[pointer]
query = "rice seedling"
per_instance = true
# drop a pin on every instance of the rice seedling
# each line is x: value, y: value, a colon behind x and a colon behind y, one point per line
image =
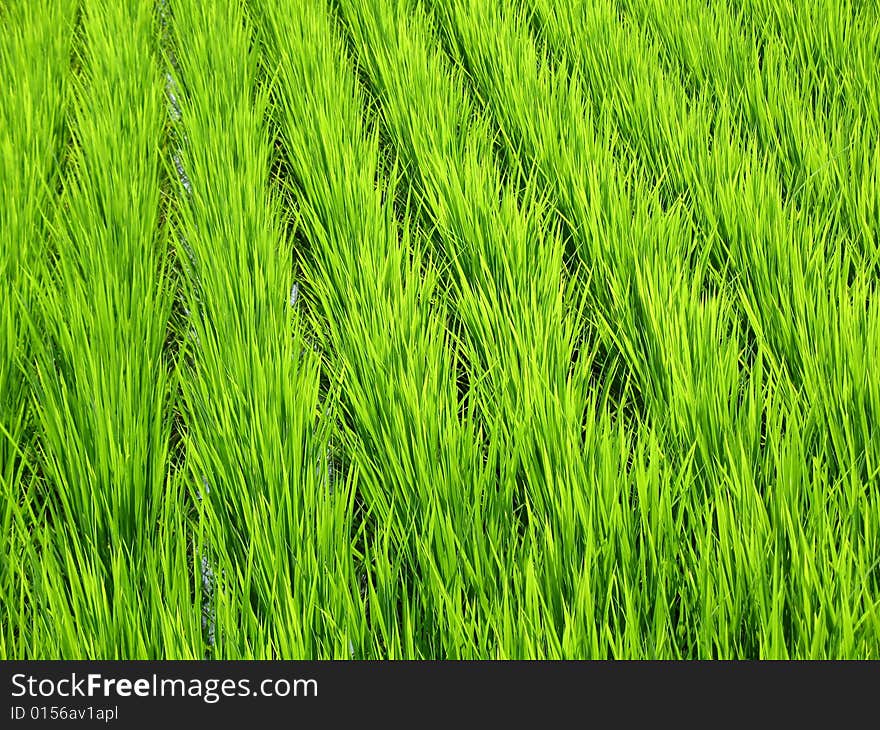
x: 273, y: 531
x: 422, y: 329
x: 373, y: 293
x: 31, y: 145
x: 816, y: 143
x: 518, y: 310
x: 101, y: 387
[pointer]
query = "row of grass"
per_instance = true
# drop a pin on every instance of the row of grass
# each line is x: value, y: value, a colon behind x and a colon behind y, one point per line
x: 32, y: 140
x: 793, y: 290
x: 92, y: 575
x: 372, y: 293
x: 517, y: 312
x: 249, y: 382
x: 645, y: 298
x: 422, y: 329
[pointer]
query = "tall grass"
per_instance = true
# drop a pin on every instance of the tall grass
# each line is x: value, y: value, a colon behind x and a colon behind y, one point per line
x: 815, y: 141
x: 373, y: 293
x: 273, y: 534
x: 100, y: 552
x: 424, y: 329
x: 32, y: 138
x: 518, y: 309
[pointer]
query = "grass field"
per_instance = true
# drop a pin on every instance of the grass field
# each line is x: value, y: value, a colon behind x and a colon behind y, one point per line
x: 440, y: 329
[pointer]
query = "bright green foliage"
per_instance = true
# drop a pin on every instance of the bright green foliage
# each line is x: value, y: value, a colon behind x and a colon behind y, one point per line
x: 93, y: 578
x: 273, y: 539
x: 440, y: 329
x: 31, y: 151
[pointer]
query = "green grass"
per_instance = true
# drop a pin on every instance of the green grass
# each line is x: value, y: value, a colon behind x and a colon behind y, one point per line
x: 424, y: 329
